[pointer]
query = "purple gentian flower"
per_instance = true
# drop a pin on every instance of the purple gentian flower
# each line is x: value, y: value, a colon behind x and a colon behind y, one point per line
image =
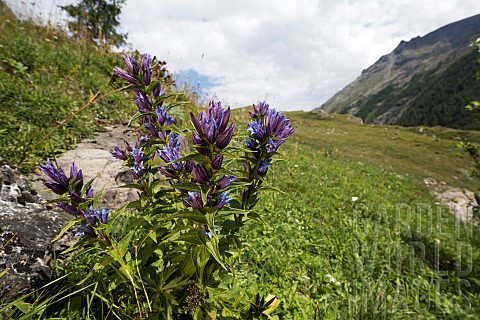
x: 56, y: 175
x: 125, y: 75
x: 272, y: 145
x: 211, y: 126
x: 102, y: 216
x: 157, y: 90
x: 56, y: 187
x: 147, y: 72
x: 225, y: 181
x: 68, y: 208
x: 256, y: 129
x: 222, y: 200
x: 162, y: 117
x: 132, y: 65
x: 278, y: 125
x: 194, y: 199
x: 84, y: 231
x: 201, y: 174
x: 259, y: 110
x: 142, y: 102
x: 263, y: 166
x: 217, y: 161
x: 119, y: 154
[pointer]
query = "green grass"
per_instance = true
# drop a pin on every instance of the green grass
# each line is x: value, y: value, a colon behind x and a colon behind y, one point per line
x: 45, y: 77
x: 387, y: 251
x: 417, y: 153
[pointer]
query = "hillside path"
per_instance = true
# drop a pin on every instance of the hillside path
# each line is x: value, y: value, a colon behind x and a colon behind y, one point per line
x: 94, y: 158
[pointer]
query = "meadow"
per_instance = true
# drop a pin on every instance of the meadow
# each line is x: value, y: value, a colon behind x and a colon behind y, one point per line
x: 356, y: 234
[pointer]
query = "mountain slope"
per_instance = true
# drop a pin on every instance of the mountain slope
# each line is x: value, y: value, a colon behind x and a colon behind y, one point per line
x: 425, y: 81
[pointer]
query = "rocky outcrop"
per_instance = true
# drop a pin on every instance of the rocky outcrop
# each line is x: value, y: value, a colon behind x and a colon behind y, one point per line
x: 27, y: 228
x: 377, y: 96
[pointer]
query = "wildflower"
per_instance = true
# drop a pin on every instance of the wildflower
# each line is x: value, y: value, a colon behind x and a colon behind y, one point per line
x: 201, y: 174
x: 211, y: 126
x: 263, y: 166
x: 272, y: 146
x: 61, y: 184
x: 84, y: 231
x: 147, y: 72
x: 131, y: 64
x: 222, y: 200
x: 256, y: 129
x: 138, y: 162
x: 225, y: 181
x: 157, y: 90
x: 194, y: 199
x: 142, y: 101
x: 119, y: 154
x: 68, y: 208
x: 217, y: 161
x: 162, y: 117
x: 354, y: 199
x: 259, y: 110
x: 125, y: 75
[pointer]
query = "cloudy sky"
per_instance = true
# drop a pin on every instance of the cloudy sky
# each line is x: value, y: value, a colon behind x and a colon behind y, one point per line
x: 295, y: 54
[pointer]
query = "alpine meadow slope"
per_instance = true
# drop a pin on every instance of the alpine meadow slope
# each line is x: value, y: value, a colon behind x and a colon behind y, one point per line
x: 426, y: 81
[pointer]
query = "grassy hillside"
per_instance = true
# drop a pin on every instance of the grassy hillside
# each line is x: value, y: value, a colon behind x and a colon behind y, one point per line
x: 45, y: 77
x: 356, y: 235
x: 416, y: 152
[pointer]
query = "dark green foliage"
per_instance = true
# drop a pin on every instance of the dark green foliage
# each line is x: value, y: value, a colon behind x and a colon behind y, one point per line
x: 96, y: 20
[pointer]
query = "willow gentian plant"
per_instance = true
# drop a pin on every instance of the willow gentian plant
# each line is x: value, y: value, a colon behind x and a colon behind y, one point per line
x: 176, y: 252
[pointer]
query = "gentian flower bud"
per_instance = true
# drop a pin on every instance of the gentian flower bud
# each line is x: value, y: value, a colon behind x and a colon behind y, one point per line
x: 195, y: 200
x: 225, y: 137
x: 56, y: 187
x: 68, y: 208
x: 119, y: 154
x: 157, y: 90
x: 125, y: 75
x: 217, y: 161
x: 225, y: 181
x: 201, y: 174
x: 74, y: 196
x: 147, y: 72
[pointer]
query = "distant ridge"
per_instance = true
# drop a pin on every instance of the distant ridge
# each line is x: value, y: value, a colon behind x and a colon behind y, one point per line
x: 425, y: 81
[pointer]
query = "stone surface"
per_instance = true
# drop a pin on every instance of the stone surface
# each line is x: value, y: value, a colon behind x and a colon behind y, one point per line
x: 94, y: 158
x: 26, y: 230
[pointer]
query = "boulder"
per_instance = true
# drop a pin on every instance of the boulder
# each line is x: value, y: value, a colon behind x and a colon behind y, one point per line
x: 27, y: 228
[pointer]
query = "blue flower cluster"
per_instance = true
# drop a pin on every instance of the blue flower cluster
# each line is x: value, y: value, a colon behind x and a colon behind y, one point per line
x: 267, y: 130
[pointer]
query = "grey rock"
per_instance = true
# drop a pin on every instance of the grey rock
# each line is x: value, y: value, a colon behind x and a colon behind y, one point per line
x: 26, y: 230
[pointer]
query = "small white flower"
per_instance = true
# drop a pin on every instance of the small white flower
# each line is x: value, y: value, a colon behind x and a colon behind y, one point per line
x: 296, y: 166
x: 354, y: 199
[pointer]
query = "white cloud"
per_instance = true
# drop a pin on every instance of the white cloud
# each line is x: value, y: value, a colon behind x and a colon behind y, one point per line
x: 294, y: 53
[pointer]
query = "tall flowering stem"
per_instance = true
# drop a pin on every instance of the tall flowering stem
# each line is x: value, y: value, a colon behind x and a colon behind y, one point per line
x: 267, y: 131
